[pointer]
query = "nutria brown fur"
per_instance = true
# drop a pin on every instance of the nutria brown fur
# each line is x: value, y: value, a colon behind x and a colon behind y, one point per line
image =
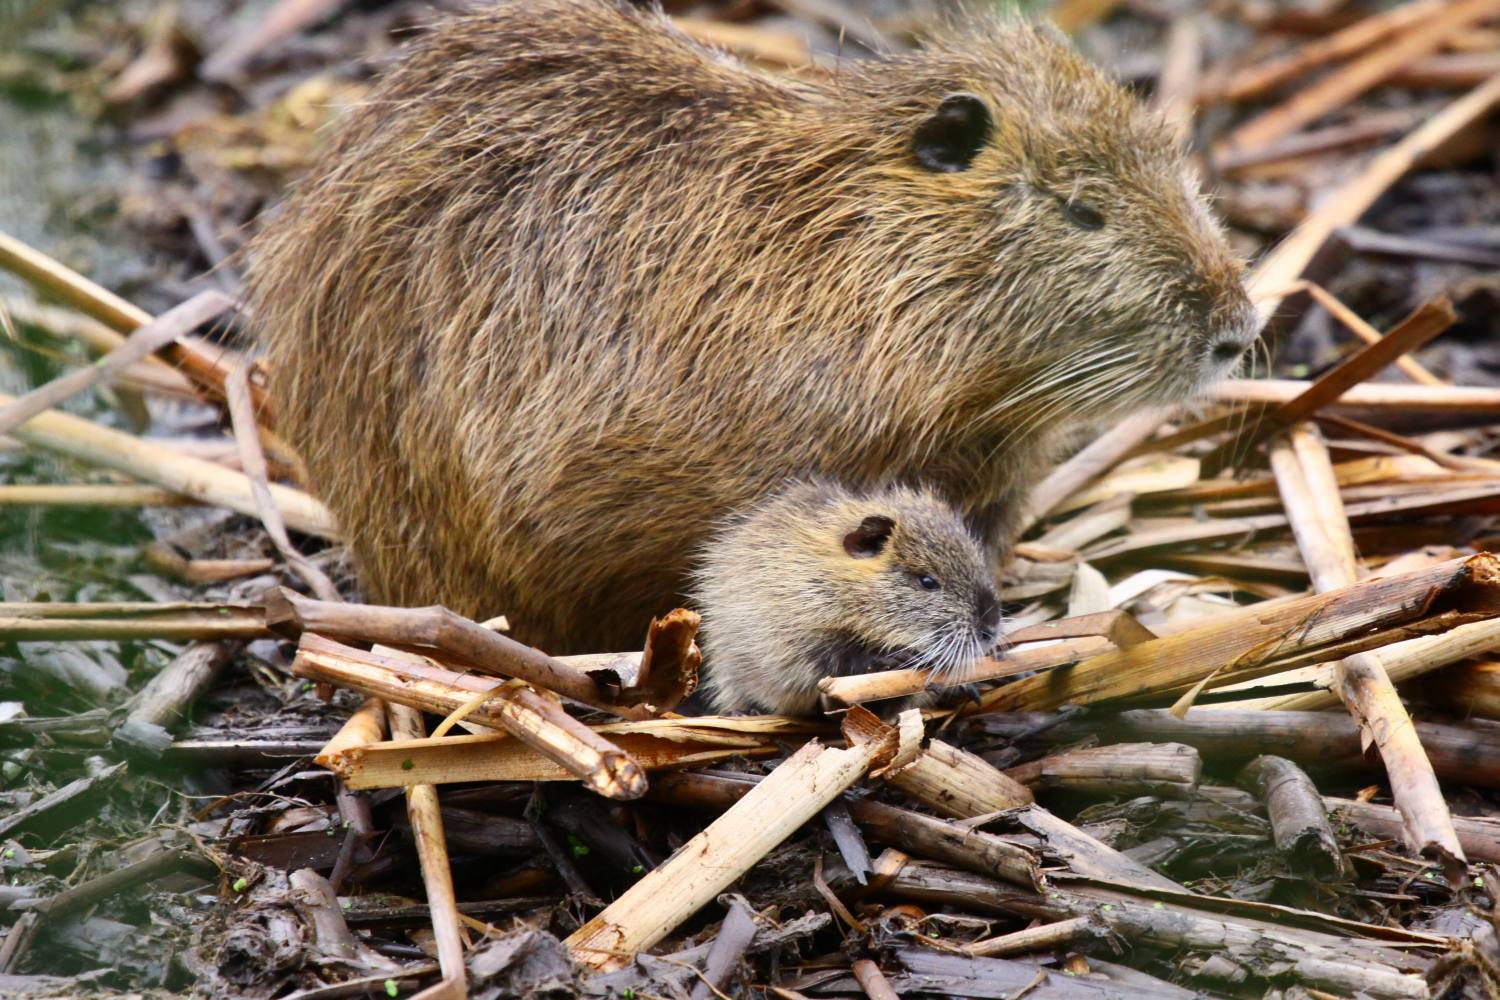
x: 819, y: 582
x: 568, y: 288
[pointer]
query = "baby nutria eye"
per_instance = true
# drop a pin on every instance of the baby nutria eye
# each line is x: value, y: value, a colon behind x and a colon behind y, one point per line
x: 927, y: 582
x: 1082, y: 215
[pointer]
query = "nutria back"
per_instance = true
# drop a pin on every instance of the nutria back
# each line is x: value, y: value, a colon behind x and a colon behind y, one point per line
x: 817, y: 581
x: 569, y: 287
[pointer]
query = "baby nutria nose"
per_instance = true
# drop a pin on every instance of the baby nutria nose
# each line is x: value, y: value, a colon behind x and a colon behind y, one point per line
x: 987, y: 618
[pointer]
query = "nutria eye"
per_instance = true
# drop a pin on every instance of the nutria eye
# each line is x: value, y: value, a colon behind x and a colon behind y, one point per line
x: 928, y: 583
x: 1084, y: 216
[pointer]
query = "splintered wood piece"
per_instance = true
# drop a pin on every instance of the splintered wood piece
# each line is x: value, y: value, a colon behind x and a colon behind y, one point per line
x: 1299, y: 820
x: 707, y: 864
x: 1285, y: 264
x: 1252, y: 641
x: 365, y: 728
x: 457, y: 639
x: 1452, y: 401
x: 141, y: 459
x: 1419, y: 38
x: 539, y: 722
x: 425, y: 814
x: 1312, y: 502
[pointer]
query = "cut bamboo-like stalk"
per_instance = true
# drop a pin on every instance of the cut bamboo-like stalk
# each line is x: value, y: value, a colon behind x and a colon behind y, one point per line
x: 1312, y: 501
x: 208, y: 482
x: 1251, y: 642
x: 707, y: 864
x: 959, y: 783
x: 538, y: 721
x: 90, y: 495
x: 426, y: 816
x: 365, y: 728
x: 1047, y: 937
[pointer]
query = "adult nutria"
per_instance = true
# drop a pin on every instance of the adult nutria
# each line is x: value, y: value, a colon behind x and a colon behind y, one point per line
x: 569, y: 287
x: 820, y: 582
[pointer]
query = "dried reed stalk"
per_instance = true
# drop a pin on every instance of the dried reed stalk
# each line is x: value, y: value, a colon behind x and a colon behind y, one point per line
x: 425, y: 814
x: 538, y: 721
x: 1305, y: 474
x: 1420, y: 37
x: 207, y: 482
x: 1285, y: 264
x: 457, y: 639
x: 707, y: 864
x: 21, y: 622
x: 1253, y: 641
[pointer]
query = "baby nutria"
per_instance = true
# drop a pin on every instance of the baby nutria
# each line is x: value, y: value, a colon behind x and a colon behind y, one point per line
x: 569, y: 287
x: 819, y: 582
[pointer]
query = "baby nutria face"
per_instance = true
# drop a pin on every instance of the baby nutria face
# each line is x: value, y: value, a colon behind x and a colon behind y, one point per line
x: 912, y: 589
x: 1106, y: 267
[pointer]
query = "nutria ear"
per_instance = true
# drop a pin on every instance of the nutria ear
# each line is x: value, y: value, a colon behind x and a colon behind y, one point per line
x: 870, y: 537
x: 948, y: 139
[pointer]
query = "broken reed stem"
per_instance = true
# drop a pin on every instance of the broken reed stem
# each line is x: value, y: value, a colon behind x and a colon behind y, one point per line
x: 1047, y: 937
x: 207, y: 482
x: 1310, y: 494
x: 1299, y: 820
x: 452, y: 636
x: 425, y: 813
x: 707, y: 864
x: 535, y: 720
x: 1356, y: 325
x: 1286, y: 262
x: 1458, y: 402
x: 1252, y: 641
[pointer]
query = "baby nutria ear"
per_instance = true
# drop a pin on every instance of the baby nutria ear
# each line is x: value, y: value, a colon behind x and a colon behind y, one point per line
x: 866, y: 541
x: 948, y: 139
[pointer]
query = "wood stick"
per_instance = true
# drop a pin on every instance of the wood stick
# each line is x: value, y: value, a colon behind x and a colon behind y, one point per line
x: 425, y: 814
x: 208, y: 482
x: 1424, y: 36
x: 1047, y: 937
x: 520, y: 711
x: 452, y: 636
x: 708, y: 863
x: 1285, y: 264
x: 1356, y: 325
x: 1450, y: 400
x: 1366, y: 130
x: 872, y: 980
x: 165, y: 699
x: 1169, y: 769
x: 1243, y: 644
x: 1327, y: 547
